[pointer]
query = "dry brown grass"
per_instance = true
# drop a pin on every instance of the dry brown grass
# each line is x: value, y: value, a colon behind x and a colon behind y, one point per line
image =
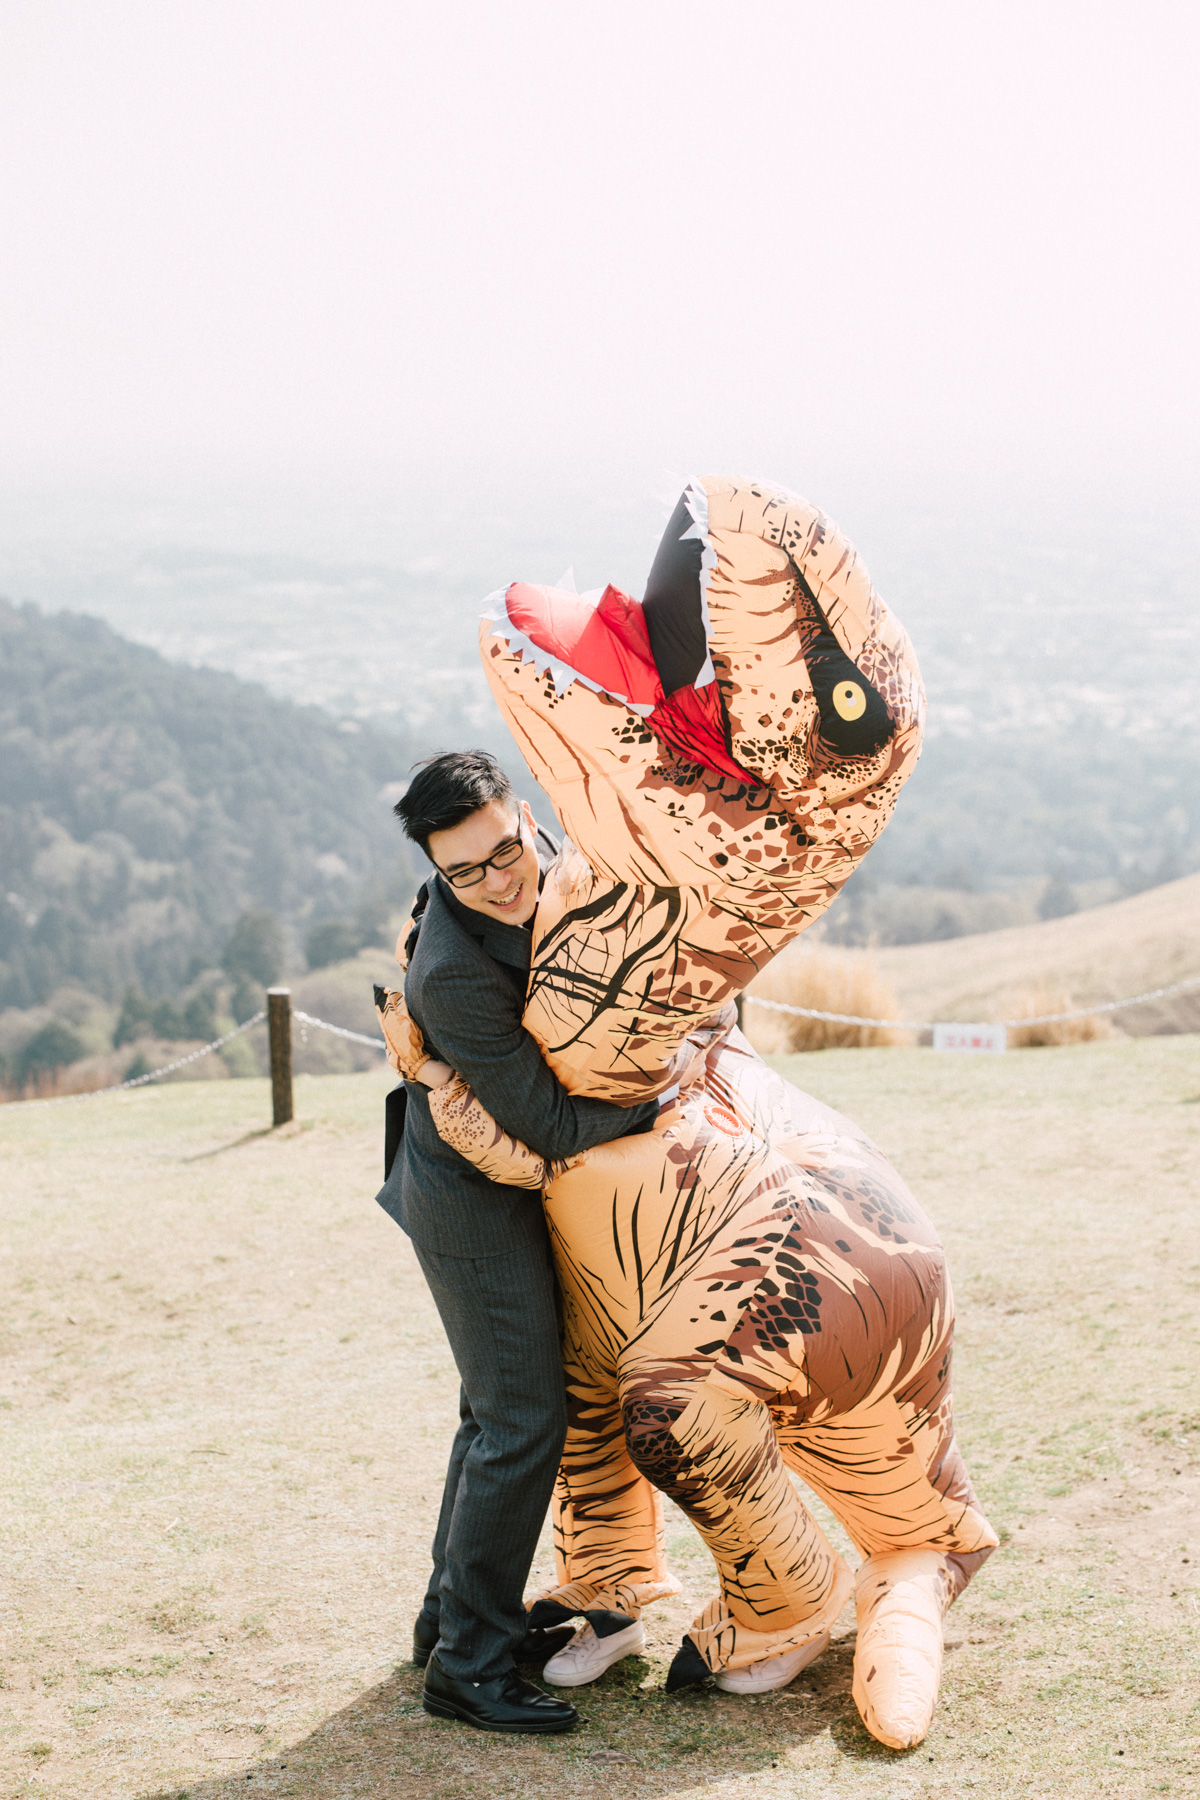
x: 1035, y: 1003
x: 828, y: 980
x: 226, y: 1402
x: 1108, y: 953
x: 108, y: 1069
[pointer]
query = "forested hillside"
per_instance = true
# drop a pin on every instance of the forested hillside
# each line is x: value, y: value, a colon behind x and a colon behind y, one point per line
x: 145, y: 806
x: 172, y: 837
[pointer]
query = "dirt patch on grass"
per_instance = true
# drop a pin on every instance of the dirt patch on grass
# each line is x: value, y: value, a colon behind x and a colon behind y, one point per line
x: 225, y: 1406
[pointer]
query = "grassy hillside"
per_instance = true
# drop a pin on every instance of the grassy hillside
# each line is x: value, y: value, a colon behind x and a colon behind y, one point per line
x: 226, y: 1404
x: 1108, y: 953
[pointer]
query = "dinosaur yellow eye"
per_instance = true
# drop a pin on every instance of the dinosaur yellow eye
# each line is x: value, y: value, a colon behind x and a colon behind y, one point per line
x: 849, y: 701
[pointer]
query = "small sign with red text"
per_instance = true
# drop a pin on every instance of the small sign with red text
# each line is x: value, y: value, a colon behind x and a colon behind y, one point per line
x: 986, y: 1038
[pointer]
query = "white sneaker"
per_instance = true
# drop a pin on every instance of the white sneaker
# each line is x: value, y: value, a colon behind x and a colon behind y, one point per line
x: 587, y: 1656
x: 775, y: 1672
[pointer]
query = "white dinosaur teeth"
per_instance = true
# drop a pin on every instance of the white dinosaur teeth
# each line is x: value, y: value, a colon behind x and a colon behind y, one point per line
x: 695, y: 498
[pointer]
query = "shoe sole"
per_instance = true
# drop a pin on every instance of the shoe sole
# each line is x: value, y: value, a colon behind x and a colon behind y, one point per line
x: 442, y: 1709
x: 726, y: 1681
x: 421, y: 1658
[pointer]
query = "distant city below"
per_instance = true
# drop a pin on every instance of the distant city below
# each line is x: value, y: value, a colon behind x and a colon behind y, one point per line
x: 1020, y: 623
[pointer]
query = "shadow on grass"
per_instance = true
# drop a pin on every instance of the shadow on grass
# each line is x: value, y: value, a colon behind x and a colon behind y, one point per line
x: 292, y: 1128
x: 644, y: 1741
x: 247, y: 1137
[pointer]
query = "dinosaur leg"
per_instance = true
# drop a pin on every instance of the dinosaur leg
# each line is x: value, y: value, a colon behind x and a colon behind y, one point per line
x: 608, y: 1519
x: 890, y: 1470
x: 713, y: 1450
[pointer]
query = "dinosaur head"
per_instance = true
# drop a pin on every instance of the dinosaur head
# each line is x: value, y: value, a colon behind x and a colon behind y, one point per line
x: 721, y: 753
x: 759, y: 674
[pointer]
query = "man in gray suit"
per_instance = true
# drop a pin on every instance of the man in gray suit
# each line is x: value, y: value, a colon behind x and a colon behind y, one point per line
x: 483, y: 1247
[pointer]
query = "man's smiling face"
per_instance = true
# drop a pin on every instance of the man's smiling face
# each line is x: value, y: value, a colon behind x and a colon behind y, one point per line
x: 509, y: 893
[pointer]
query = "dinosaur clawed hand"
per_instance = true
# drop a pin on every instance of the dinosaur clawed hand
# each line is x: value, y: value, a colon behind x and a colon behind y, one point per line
x: 688, y: 1669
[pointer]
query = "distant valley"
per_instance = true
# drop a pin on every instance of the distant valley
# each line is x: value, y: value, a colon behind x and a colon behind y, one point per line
x: 148, y: 799
x: 1059, y: 648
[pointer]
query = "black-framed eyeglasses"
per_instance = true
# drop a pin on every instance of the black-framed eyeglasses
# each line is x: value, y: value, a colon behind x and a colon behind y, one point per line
x: 503, y: 858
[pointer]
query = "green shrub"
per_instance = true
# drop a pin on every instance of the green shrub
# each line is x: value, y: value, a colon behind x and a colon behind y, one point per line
x: 140, y: 1017
x: 168, y: 1021
x: 246, y: 1000
x: 134, y: 1019
x: 54, y: 1046
x: 200, y: 1017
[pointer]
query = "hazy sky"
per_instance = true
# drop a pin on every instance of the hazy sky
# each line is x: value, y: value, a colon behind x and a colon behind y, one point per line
x: 370, y: 238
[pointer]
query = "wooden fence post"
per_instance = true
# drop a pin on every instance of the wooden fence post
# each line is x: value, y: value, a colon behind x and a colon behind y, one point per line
x: 279, y: 1026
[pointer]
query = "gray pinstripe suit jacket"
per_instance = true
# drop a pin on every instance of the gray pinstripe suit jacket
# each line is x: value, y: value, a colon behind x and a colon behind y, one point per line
x: 465, y: 988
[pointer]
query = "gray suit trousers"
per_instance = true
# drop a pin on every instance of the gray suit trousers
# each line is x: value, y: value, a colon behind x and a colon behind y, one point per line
x: 500, y: 1314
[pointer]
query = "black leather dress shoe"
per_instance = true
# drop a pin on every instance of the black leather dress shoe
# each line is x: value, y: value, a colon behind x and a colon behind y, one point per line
x: 506, y: 1704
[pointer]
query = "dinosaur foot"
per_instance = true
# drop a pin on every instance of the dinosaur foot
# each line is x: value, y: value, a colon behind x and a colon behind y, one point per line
x: 900, y: 1597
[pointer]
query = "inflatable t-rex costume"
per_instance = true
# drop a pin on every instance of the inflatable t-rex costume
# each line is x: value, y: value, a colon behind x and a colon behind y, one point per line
x: 749, y: 1288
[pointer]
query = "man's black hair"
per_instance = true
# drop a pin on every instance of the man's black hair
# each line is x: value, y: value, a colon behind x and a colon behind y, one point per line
x: 448, y: 789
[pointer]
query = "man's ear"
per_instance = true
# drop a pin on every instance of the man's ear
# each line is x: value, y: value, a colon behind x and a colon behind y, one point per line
x: 528, y: 816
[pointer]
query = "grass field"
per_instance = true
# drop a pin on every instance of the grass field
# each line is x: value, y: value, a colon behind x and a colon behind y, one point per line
x: 225, y: 1405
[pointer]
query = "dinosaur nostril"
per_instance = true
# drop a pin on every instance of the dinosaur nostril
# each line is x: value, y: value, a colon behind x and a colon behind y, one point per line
x: 849, y: 701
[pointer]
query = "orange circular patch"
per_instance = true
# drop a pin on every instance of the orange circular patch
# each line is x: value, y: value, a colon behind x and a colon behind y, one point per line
x: 721, y: 1119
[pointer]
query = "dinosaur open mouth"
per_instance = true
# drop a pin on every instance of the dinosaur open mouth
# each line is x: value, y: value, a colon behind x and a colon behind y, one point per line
x: 653, y: 655
x: 603, y: 643
x: 606, y: 644
x: 650, y: 655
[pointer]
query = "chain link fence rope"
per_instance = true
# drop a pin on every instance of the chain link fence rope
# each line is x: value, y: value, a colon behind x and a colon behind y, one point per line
x: 355, y: 1037
x: 1079, y: 1012
x: 181, y: 1062
x: 136, y: 1081
x: 780, y: 1006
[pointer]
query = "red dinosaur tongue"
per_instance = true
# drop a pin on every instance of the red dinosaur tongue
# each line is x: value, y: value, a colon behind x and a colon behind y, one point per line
x: 607, y: 643
x: 691, y: 719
